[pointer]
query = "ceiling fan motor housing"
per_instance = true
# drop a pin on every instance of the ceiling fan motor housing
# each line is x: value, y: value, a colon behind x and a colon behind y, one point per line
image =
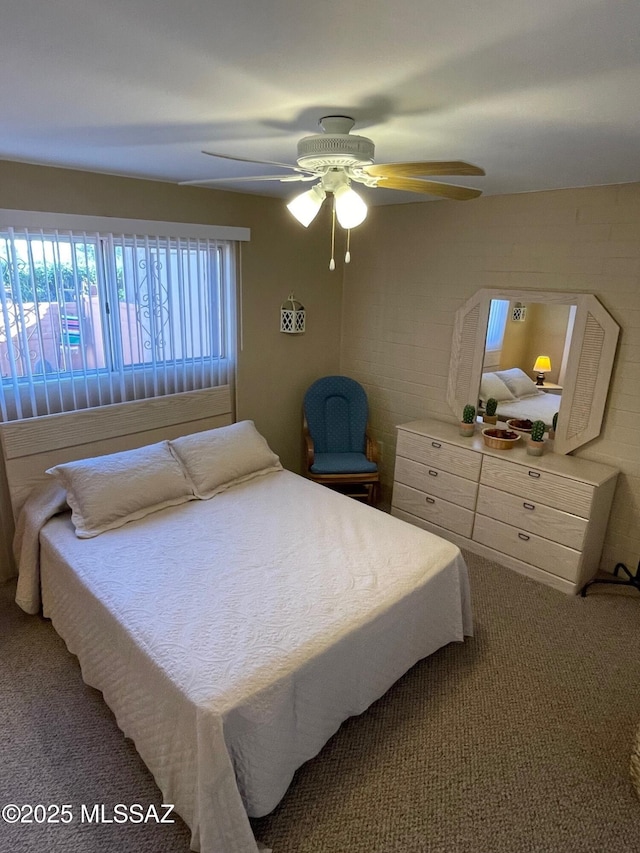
x: 334, y: 150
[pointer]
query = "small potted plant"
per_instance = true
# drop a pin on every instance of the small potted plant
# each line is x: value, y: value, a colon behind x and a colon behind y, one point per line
x: 490, y: 416
x: 554, y: 426
x: 535, y: 444
x: 468, y: 422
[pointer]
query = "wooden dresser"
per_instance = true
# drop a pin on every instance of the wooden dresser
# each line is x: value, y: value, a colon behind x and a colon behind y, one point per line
x: 544, y: 516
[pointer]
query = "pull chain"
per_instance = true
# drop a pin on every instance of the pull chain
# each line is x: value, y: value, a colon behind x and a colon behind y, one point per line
x: 347, y: 257
x: 332, y: 263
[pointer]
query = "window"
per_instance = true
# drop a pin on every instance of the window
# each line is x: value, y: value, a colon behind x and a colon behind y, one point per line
x: 497, y: 323
x: 95, y: 317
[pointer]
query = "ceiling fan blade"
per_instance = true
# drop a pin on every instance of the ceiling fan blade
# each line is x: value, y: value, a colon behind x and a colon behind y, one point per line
x: 263, y: 162
x: 248, y: 179
x: 435, y: 167
x: 430, y: 188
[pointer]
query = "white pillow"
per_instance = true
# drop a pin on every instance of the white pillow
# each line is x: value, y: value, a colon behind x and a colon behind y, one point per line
x: 217, y: 459
x: 492, y: 386
x: 106, y: 492
x: 518, y: 382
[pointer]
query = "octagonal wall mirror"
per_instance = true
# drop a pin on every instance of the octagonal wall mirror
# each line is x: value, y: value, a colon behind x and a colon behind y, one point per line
x: 502, y: 333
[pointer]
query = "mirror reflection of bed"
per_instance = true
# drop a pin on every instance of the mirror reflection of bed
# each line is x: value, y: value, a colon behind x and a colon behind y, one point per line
x: 525, y: 357
x: 528, y: 403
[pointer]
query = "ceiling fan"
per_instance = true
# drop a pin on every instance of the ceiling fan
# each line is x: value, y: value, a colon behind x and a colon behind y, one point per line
x: 335, y: 158
x: 336, y: 151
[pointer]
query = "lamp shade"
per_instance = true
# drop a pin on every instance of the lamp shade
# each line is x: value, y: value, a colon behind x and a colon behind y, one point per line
x: 305, y: 206
x: 543, y: 364
x: 350, y: 208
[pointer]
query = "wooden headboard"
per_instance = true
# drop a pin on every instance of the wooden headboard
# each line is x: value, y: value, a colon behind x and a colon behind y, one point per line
x: 32, y: 445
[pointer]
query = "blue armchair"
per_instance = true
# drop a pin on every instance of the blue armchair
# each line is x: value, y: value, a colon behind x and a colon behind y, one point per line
x: 339, y: 450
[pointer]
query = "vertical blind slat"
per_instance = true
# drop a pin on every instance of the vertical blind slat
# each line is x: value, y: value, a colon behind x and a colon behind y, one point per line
x: 183, y: 317
x: 20, y: 330
x: 112, y: 340
x: 6, y: 315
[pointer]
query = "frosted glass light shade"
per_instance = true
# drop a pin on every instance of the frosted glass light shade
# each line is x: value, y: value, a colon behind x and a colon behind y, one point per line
x: 305, y: 207
x: 350, y: 208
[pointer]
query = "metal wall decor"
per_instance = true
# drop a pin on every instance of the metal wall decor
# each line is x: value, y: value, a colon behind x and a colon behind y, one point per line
x: 152, y: 304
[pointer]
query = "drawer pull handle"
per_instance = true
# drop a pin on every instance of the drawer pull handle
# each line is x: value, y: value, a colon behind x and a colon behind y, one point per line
x: 528, y: 506
x: 430, y: 500
x: 523, y: 536
x: 436, y: 444
x: 534, y: 474
x: 433, y: 473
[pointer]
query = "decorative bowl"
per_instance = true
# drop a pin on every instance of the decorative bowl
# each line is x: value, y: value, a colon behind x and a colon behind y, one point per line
x: 520, y: 424
x: 500, y: 439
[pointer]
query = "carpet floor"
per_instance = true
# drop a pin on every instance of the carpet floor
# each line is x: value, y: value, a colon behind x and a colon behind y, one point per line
x: 516, y: 741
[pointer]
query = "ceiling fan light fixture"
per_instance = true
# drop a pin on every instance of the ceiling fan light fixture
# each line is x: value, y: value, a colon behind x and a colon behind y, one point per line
x: 334, y: 159
x: 351, y: 209
x: 305, y: 207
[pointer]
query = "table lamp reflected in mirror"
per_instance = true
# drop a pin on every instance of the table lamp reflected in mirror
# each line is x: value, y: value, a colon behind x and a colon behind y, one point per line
x: 542, y: 366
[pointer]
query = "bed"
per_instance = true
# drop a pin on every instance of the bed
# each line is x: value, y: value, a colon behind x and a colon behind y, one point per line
x: 232, y: 633
x: 518, y: 396
x: 539, y: 406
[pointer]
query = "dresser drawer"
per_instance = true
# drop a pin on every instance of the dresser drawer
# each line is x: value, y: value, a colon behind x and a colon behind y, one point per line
x: 436, y: 482
x: 550, y: 556
x: 433, y: 509
x: 533, y: 517
x: 538, y: 486
x: 439, y: 454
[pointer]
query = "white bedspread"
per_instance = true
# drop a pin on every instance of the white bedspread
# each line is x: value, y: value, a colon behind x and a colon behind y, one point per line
x: 231, y: 637
x: 537, y: 407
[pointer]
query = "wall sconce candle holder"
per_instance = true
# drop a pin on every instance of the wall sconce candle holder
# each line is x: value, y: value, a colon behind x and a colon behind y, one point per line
x: 518, y: 312
x: 292, y: 317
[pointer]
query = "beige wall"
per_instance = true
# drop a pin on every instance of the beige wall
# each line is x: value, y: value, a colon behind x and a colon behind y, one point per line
x: 274, y: 369
x: 543, y: 332
x: 418, y: 263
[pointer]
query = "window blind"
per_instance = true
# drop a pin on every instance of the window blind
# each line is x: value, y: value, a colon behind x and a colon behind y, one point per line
x: 89, y: 318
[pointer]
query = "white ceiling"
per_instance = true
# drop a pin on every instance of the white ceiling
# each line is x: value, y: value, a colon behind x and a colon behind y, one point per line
x: 540, y: 94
